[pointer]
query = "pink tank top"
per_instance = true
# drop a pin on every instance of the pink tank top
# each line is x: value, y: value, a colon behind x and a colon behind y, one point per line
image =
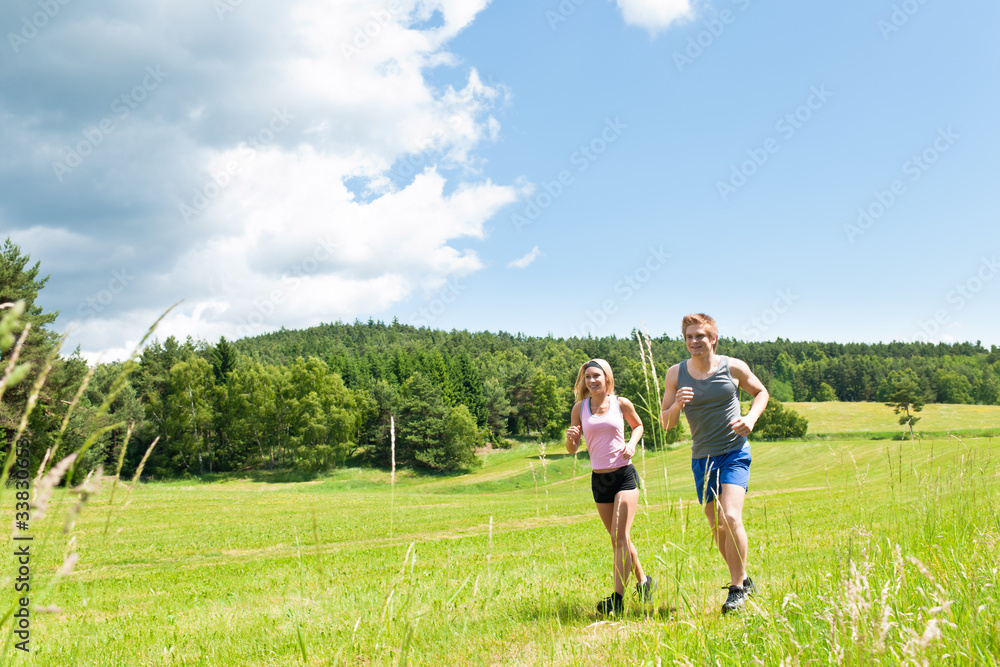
x: 605, y: 436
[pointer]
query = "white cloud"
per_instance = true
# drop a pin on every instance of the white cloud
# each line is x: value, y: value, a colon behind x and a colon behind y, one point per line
x: 306, y: 252
x: 655, y: 15
x: 525, y: 262
x: 200, y: 194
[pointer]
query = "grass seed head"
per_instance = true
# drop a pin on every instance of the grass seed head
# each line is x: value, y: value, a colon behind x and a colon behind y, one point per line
x: 45, y: 486
x: 89, y: 486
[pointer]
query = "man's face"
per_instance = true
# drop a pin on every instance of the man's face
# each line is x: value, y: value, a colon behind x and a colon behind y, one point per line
x: 698, y: 340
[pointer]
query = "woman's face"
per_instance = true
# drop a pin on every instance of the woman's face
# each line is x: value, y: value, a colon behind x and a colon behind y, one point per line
x: 594, y: 378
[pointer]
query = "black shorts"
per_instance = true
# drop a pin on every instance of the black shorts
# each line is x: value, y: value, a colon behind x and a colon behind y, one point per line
x: 606, y: 485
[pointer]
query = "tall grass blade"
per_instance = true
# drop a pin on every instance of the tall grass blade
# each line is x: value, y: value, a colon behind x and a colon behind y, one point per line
x: 14, y: 373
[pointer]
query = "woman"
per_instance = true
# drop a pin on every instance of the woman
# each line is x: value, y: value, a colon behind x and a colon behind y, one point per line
x: 600, y: 416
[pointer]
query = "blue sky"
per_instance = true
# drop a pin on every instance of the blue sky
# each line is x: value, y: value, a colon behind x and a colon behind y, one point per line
x: 802, y: 170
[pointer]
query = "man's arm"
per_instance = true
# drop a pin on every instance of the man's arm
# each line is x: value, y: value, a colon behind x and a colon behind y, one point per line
x: 674, y: 400
x: 752, y: 385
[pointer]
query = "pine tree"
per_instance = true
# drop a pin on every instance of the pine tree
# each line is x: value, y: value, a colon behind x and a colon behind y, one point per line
x: 224, y: 359
x: 378, y: 402
x: 20, y: 281
x: 422, y: 420
x: 468, y: 386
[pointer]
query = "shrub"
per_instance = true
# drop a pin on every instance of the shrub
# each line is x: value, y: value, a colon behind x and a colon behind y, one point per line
x: 779, y: 423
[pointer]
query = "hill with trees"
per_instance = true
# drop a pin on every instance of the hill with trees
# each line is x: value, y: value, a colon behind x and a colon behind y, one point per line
x: 318, y: 397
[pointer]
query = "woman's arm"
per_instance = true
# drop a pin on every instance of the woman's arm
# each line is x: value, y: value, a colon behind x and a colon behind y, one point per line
x: 632, y: 417
x: 574, y: 430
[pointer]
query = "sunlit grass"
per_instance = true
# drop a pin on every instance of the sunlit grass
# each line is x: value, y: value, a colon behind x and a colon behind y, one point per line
x: 863, y: 552
x: 837, y: 417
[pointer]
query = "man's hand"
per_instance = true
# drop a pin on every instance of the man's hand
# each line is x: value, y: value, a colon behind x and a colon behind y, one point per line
x: 742, y: 426
x: 683, y: 396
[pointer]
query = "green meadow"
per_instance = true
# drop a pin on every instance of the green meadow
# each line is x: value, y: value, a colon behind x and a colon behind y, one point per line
x: 835, y: 417
x: 863, y: 552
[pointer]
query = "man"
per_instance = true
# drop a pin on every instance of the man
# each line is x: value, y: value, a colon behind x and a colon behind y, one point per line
x: 706, y: 388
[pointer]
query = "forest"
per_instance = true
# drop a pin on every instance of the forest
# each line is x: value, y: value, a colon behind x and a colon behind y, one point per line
x: 334, y: 394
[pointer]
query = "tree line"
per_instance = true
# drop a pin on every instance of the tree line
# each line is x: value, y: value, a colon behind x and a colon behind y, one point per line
x: 319, y: 397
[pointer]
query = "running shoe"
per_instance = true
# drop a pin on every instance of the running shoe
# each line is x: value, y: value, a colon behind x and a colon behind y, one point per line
x: 749, y: 587
x: 646, y: 588
x: 611, y: 605
x: 737, y: 596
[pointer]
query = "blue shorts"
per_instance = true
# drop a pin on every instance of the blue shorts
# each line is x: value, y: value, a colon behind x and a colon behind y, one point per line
x: 730, y: 468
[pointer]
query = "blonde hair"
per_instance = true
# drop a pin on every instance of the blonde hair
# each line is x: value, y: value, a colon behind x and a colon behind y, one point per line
x: 700, y: 319
x: 580, y: 388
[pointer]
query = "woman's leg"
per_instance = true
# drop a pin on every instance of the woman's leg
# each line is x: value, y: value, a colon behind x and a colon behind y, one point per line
x: 617, y: 518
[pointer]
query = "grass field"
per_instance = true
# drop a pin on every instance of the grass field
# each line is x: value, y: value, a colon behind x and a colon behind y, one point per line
x: 835, y: 417
x: 864, y: 552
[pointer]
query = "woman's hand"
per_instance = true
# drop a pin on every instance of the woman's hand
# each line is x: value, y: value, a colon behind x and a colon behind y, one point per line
x: 629, y: 449
x: 573, y: 436
x: 632, y: 417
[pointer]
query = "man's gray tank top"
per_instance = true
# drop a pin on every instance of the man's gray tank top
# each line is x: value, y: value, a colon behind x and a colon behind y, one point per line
x: 716, y: 403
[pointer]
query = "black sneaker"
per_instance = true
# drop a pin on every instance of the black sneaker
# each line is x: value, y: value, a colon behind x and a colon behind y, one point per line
x: 749, y: 587
x: 646, y: 588
x: 611, y: 605
x: 737, y: 596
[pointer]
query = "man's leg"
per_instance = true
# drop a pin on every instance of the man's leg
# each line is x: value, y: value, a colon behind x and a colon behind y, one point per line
x: 718, y: 536
x: 732, y: 534
x: 711, y: 490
